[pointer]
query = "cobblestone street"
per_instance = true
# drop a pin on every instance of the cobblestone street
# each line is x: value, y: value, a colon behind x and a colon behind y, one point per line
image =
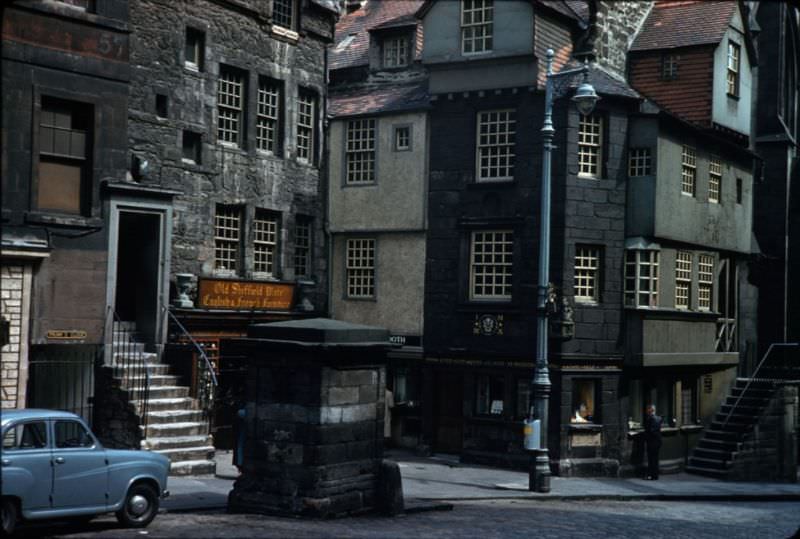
x: 500, y: 518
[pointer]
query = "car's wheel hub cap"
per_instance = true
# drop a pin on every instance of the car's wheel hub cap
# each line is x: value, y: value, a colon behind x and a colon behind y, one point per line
x: 138, y: 505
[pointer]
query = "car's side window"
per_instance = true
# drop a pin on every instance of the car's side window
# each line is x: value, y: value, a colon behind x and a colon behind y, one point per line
x: 31, y: 435
x: 72, y: 434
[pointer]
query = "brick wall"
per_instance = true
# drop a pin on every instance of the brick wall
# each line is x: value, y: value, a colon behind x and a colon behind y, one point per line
x: 14, y: 359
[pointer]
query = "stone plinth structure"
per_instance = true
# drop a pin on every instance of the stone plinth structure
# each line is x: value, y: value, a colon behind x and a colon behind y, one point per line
x: 314, y: 419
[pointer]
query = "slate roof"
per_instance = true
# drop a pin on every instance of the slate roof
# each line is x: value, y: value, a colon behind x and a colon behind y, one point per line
x: 379, y: 99
x: 374, y: 15
x: 574, y: 9
x: 604, y: 82
x: 330, y: 5
x: 684, y: 23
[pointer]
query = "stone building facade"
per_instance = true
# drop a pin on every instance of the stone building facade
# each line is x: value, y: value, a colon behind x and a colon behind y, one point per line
x: 14, y: 279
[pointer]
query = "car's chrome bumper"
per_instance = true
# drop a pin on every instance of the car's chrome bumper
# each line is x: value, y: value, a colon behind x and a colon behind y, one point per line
x: 165, y: 493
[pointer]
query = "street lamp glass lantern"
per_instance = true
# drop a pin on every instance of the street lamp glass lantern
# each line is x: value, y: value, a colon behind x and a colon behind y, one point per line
x: 585, y: 98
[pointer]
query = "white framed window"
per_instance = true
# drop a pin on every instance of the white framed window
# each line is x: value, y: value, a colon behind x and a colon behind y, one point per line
x: 402, y: 138
x: 639, y: 162
x: 283, y: 13
x: 705, y: 281
x: 230, y: 104
x: 395, y: 52
x: 192, y: 147
x: 302, y: 246
x: 497, y: 130
x: 714, y: 179
x: 360, y: 151
x: 688, y: 170
x: 227, y: 237
x: 194, y: 50
x: 590, y: 145
x: 360, y: 268
x: 734, y: 54
x: 268, y: 115
x: 265, y: 243
x: 306, y: 105
x: 491, y: 257
x: 669, y: 66
x: 587, y: 273
x: 683, y: 279
x: 641, y: 278
x: 477, y: 18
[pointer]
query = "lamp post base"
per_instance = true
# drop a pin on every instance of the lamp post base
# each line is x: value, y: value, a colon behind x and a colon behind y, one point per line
x: 539, y: 475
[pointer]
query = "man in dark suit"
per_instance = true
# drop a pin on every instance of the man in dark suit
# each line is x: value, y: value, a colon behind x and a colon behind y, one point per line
x: 652, y: 438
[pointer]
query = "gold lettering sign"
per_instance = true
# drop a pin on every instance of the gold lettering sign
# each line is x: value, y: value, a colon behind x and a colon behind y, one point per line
x: 245, y: 295
x: 66, y: 334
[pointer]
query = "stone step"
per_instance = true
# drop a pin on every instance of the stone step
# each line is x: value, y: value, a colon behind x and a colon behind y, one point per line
x: 707, y: 472
x: 157, y: 417
x: 752, y: 392
x: 193, y: 467
x: 709, y: 463
x: 713, y: 454
x: 178, y: 454
x: 167, y: 392
x: 740, y: 409
x: 742, y: 382
x: 714, y: 434
x: 156, y: 380
x: 755, y: 402
x: 126, y: 357
x: 730, y: 426
x: 166, y: 430
x: 169, y: 404
x: 125, y: 324
x: 122, y: 344
x: 718, y: 445
x: 175, y: 442
x: 152, y: 368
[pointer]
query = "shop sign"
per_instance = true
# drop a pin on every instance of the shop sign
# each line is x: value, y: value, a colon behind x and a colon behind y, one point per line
x: 66, y: 334
x: 245, y: 295
x: 406, y: 340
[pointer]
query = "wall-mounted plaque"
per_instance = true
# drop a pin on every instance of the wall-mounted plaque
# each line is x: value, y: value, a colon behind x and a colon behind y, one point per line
x: 488, y: 324
x: 245, y: 295
x: 66, y: 334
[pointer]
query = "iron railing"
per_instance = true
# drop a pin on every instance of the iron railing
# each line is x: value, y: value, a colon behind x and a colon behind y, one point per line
x: 755, y: 374
x: 206, y: 382
x: 129, y: 362
x: 726, y: 335
x: 61, y: 377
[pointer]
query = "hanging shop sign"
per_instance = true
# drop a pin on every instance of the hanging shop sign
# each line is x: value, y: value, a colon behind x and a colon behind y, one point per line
x: 245, y: 295
x: 66, y: 334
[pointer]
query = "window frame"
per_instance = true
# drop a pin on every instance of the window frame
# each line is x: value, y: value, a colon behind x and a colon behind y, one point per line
x: 197, y: 63
x: 684, y: 260
x: 483, y: 399
x: 306, y: 125
x: 669, y: 66
x: 23, y: 423
x: 507, y: 273
x: 266, y: 235
x: 196, y: 140
x: 689, y: 170
x: 640, y: 162
x: 733, y: 71
x: 360, y: 276
x: 227, y: 244
x: 399, y: 54
x: 78, y: 424
x: 396, y: 138
x: 488, y: 145
x: 303, y: 247
x: 596, y: 407
x: 714, y: 179
x: 705, y: 282
x: 293, y: 15
x: 653, y: 262
x: 486, y: 28
x: 360, y: 150
x: 269, y: 115
x: 590, y: 277
x: 235, y: 111
x: 590, y: 145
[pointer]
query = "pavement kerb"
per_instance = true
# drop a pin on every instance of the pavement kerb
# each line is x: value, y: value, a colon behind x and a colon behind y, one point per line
x: 629, y: 497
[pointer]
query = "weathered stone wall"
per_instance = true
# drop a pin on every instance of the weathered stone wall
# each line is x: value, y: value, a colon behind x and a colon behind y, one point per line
x: 769, y: 453
x: 240, y: 37
x: 617, y: 26
x: 14, y: 361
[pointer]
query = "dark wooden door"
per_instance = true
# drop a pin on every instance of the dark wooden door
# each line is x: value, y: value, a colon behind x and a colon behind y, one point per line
x: 449, y: 417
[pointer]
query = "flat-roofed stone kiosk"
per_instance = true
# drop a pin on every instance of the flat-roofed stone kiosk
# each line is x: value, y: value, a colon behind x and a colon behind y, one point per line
x: 314, y: 418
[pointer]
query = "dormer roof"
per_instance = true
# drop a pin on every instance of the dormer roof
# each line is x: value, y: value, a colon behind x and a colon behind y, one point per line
x: 684, y: 23
x: 575, y: 10
x: 351, y: 41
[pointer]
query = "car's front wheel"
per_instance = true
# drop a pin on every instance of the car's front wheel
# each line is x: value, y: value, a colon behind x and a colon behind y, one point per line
x: 140, y: 507
x: 9, y: 516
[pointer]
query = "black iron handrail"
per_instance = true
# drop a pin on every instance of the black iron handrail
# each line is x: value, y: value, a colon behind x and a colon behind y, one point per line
x: 129, y: 362
x: 753, y: 376
x: 199, y: 348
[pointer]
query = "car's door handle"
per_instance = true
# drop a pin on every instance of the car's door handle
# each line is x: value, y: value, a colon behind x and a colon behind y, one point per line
x: 6, y: 462
x: 59, y: 460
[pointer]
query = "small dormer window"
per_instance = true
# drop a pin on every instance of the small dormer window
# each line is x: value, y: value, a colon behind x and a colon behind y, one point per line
x: 734, y: 54
x: 395, y: 52
x: 477, y: 17
x: 669, y: 66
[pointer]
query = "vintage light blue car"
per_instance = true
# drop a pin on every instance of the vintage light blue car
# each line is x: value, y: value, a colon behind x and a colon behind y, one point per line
x: 54, y: 467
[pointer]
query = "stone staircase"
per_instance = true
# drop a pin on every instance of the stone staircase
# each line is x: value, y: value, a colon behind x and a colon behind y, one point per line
x: 716, y: 452
x: 175, y: 426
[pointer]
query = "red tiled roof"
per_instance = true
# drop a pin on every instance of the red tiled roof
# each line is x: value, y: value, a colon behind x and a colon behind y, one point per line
x: 375, y: 100
x: 376, y: 13
x: 684, y: 23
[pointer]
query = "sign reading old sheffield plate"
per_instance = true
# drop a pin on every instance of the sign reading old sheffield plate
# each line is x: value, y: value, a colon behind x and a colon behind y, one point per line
x: 245, y: 295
